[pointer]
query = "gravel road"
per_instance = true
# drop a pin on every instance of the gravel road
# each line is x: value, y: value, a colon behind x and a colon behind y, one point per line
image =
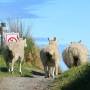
x: 36, y: 82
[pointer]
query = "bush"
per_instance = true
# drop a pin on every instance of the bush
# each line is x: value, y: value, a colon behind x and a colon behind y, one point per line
x: 32, y: 53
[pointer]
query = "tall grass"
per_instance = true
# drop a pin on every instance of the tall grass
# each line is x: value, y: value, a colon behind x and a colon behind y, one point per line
x: 32, y: 53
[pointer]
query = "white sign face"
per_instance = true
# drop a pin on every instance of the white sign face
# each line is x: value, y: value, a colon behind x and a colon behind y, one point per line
x: 11, y: 37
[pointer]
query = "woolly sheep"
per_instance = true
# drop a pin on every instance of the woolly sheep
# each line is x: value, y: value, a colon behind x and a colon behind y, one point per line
x: 75, y: 54
x: 50, y: 58
x: 14, y: 51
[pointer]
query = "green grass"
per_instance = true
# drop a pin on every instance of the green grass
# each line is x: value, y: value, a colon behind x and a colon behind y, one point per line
x: 77, y: 78
x: 26, y: 69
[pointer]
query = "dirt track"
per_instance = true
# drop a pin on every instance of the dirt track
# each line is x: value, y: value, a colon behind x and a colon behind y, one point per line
x: 36, y: 82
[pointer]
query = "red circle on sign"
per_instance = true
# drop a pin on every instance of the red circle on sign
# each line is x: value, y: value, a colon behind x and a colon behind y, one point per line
x: 11, y: 39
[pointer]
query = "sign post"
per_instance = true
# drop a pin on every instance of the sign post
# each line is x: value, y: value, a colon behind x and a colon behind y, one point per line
x: 1, y: 32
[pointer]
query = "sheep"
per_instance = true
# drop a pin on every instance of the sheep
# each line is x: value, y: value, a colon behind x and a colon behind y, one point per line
x: 50, y: 58
x: 75, y: 54
x: 14, y: 51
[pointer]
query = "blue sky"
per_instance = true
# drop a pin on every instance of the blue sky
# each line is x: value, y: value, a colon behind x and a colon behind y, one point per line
x: 68, y: 20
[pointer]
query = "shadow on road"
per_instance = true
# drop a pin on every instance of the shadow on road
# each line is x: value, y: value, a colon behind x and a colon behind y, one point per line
x: 38, y: 73
x: 3, y: 69
x: 30, y: 74
x: 34, y: 74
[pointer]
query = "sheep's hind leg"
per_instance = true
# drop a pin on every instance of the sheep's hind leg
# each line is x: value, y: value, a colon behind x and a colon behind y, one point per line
x: 46, y: 71
x: 20, y: 68
x: 8, y: 66
x: 12, y: 66
x: 52, y: 72
x: 56, y: 69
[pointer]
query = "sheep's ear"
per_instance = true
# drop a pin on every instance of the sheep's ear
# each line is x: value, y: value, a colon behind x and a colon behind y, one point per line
x: 54, y: 38
x: 71, y: 42
x: 48, y: 39
x: 79, y: 41
x: 17, y: 37
x: 24, y: 38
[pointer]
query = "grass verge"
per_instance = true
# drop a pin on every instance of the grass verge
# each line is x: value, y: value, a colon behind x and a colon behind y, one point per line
x: 77, y: 78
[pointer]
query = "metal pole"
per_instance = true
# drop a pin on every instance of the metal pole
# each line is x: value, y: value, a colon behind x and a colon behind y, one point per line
x: 1, y: 32
x: 1, y: 37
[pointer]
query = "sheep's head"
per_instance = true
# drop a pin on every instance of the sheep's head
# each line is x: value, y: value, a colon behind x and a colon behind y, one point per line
x: 52, y: 45
x: 22, y: 42
x: 52, y: 41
